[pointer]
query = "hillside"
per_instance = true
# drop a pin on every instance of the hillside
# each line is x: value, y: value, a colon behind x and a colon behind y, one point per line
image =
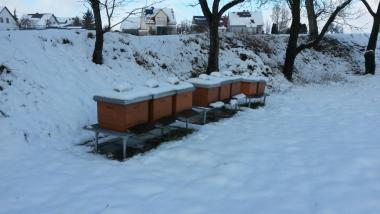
x: 52, y: 77
x: 313, y: 149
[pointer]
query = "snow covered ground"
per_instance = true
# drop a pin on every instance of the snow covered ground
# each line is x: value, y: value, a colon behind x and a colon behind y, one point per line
x: 313, y: 148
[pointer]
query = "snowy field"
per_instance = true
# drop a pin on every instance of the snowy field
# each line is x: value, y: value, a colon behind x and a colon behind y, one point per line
x: 313, y: 149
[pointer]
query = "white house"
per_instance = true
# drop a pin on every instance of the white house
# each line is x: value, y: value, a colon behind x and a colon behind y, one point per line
x: 245, y: 22
x: 7, y: 20
x: 153, y: 21
x: 39, y: 21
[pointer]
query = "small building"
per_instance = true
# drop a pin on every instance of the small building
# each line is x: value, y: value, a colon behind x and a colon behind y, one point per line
x: 199, y: 24
x: 65, y: 21
x: 39, y: 21
x: 131, y: 25
x: 245, y: 22
x: 7, y: 20
x: 153, y: 21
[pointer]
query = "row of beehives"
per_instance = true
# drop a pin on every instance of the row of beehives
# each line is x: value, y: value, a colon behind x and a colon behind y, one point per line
x: 123, y: 109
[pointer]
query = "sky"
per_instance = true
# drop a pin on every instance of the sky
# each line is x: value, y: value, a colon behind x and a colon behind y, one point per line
x: 71, y: 8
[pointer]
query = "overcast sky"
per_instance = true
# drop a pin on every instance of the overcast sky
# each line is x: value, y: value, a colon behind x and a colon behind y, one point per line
x: 69, y: 8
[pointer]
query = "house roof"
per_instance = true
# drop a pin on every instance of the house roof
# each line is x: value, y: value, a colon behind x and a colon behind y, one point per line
x: 199, y: 20
x: 5, y: 8
x: 40, y: 19
x: 150, y: 13
x: 65, y: 21
x: 131, y: 23
x: 245, y: 18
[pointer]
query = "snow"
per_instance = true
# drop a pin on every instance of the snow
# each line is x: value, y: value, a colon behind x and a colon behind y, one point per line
x: 254, y: 20
x: 315, y: 156
x: 314, y: 148
x: 123, y: 87
x: 152, y: 83
x: 131, y: 23
x: 217, y: 104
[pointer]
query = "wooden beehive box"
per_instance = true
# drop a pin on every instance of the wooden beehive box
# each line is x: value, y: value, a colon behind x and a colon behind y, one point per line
x: 249, y: 86
x: 206, y: 91
x: 183, y: 100
x: 236, y: 86
x: 161, y: 105
x: 122, y: 114
x: 225, y: 90
x: 261, y: 87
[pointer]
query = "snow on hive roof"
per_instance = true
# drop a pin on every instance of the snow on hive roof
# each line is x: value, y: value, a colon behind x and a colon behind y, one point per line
x: 152, y: 12
x: 131, y: 23
x: 1, y: 8
x: 245, y: 18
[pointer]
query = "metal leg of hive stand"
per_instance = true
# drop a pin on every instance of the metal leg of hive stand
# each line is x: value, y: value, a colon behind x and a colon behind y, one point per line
x: 204, y: 117
x: 96, y: 141
x: 265, y: 98
x: 187, y: 123
x: 125, y: 140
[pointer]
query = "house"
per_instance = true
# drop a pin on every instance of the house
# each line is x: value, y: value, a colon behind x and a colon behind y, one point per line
x: 153, y: 21
x: 65, y: 21
x: 245, y: 22
x: 7, y: 20
x: 199, y: 24
x: 39, y: 21
x: 131, y: 25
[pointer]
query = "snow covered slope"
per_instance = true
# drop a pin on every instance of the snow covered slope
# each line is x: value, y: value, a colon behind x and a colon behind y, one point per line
x: 311, y: 150
x: 47, y: 96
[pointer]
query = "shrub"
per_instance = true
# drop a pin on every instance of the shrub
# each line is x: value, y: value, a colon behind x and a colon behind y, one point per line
x: 4, y: 69
x: 90, y: 35
x: 66, y: 41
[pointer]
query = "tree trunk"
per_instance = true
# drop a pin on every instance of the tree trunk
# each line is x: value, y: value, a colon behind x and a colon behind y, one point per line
x: 213, y: 57
x: 312, y: 19
x: 369, y: 55
x: 97, y: 56
x: 292, y: 50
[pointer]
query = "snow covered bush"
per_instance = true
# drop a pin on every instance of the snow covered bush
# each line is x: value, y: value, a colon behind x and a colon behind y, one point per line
x: 66, y: 41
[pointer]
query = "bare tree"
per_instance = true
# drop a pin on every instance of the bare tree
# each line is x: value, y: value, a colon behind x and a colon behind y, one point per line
x: 292, y: 49
x: 25, y: 23
x: 213, y: 17
x: 312, y: 19
x: 109, y: 6
x: 281, y: 16
x: 369, y: 55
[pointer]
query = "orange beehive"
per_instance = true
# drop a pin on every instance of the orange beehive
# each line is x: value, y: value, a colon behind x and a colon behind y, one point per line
x: 261, y: 88
x: 225, y: 91
x: 204, y: 96
x: 249, y: 87
x: 235, y: 87
x: 161, y: 105
x: 120, y: 115
x: 182, y: 100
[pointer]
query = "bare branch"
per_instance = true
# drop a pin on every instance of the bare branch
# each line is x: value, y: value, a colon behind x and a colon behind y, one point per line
x: 205, y: 9
x: 325, y: 27
x: 368, y: 8
x: 134, y: 12
x: 228, y: 6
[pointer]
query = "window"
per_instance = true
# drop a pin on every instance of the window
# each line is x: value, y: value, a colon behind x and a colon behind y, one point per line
x: 7, y: 20
x: 1, y: 20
